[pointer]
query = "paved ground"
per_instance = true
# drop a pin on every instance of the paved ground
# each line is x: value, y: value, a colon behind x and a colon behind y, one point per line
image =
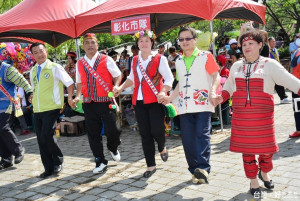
x: 172, y: 181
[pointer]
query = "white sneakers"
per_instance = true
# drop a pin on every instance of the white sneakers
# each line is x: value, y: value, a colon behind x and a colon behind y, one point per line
x: 285, y: 101
x: 116, y: 157
x: 100, y: 169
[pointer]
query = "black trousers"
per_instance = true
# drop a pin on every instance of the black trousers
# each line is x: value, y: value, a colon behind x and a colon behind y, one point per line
x: 9, y: 144
x: 45, y: 124
x: 280, y: 91
x: 150, y: 118
x: 296, y: 114
x: 95, y: 113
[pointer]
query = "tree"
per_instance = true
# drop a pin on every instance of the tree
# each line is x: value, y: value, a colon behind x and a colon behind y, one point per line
x: 283, y: 15
x: 5, y: 5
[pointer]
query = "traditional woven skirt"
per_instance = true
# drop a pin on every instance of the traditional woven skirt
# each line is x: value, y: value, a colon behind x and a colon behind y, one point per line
x: 253, y: 130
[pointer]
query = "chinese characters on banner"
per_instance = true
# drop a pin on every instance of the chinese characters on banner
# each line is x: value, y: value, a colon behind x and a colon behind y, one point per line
x: 130, y: 25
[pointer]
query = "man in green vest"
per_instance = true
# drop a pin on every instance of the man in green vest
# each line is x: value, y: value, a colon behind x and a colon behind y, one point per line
x: 47, y: 80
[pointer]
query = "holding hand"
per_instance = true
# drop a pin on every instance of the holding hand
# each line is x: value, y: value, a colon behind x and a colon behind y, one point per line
x: 117, y: 90
x: 216, y: 100
x: 163, y: 98
x: 30, y: 98
x: 73, y: 102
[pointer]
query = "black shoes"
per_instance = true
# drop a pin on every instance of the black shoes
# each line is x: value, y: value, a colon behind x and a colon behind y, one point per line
x: 164, y: 156
x: 57, y: 169
x: 268, y: 184
x: 256, y: 192
x: 4, y: 165
x: 20, y: 157
x: 148, y: 174
x: 45, y: 175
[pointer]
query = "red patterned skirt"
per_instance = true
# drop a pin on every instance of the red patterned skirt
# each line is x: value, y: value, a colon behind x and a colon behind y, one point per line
x: 253, y: 130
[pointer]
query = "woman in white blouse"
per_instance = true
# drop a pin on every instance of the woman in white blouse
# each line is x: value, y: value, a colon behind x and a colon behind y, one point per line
x: 147, y: 75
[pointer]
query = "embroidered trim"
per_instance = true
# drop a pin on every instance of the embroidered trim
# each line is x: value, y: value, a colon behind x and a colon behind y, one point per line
x: 95, y: 75
x: 147, y: 79
x: 96, y: 99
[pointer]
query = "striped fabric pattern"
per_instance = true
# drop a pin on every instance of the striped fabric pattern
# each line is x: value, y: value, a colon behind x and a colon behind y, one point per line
x: 250, y: 164
x: 15, y: 77
x: 253, y: 130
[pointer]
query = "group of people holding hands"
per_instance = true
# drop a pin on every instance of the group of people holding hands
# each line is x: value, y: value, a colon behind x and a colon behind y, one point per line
x: 250, y: 85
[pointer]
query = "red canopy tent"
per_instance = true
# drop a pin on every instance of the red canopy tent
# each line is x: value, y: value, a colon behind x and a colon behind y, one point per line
x: 166, y: 14
x: 20, y: 40
x: 51, y: 21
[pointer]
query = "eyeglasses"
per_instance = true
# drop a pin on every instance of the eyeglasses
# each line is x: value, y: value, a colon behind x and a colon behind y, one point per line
x: 186, y: 39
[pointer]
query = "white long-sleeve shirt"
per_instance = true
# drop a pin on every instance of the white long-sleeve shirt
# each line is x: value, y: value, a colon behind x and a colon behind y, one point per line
x: 163, y: 69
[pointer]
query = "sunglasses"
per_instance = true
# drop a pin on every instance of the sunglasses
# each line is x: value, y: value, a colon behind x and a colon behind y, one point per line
x: 184, y: 39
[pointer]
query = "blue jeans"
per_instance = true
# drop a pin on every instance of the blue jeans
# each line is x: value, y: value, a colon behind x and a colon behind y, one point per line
x: 195, y: 134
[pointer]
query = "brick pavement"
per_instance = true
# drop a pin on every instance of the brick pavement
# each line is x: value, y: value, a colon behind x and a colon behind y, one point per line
x: 172, y: 181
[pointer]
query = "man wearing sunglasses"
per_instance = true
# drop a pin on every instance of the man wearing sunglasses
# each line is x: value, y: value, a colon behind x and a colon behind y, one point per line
x: 198, y: 80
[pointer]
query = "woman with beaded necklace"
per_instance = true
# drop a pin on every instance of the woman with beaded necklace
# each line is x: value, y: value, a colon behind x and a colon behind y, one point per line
x: 147, y: 73
x: 251, y: 85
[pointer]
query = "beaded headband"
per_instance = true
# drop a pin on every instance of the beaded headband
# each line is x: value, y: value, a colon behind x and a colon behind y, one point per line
x: 247, y: 38
x: 144, y: 33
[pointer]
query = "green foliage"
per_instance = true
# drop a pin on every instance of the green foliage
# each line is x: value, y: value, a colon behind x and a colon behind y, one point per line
x: 107, y: 40
x: 5, y: 5
x: 285, y: 15
x: 284, y: 52
x: 171, y: 35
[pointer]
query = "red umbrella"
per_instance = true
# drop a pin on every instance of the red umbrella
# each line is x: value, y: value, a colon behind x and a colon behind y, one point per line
x: 52, y: 21
x: 166, y: 14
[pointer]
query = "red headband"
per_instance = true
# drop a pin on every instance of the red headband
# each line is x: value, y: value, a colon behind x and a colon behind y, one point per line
x: 89, y: 36
x: 72, y: 54
x: 247, y: 38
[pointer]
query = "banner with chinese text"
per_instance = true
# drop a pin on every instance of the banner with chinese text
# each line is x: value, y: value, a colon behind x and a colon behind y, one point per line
x: 130, y: 25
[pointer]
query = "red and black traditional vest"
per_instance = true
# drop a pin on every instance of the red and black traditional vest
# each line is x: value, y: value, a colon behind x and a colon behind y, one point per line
x: 154, y: 75
x: 91, y: 89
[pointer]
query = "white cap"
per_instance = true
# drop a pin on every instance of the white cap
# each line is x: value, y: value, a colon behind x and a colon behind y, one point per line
x: 232, y: 41
x: 298, y: 42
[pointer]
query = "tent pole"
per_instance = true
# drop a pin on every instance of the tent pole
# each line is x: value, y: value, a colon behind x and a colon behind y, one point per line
x: 212, y: 37
x: 77, y: 46
x: 214, y: 52
x: 55, y: 53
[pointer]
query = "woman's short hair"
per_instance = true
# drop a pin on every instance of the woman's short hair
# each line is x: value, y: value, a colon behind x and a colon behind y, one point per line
x: 254, y: 34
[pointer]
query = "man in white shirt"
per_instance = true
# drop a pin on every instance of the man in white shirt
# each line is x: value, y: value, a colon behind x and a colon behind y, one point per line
x: 95, y: 74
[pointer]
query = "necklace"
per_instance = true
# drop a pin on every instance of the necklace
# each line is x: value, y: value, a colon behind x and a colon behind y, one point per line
x: 247, y: 76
